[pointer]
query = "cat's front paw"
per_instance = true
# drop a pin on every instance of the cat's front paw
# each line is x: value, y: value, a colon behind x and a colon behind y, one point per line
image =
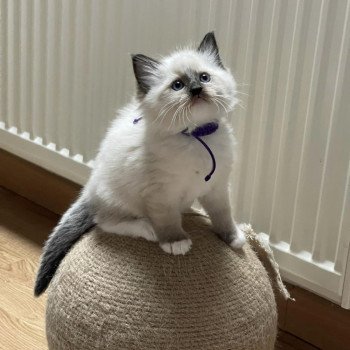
x: 238, y: 240
x: 178, y: 247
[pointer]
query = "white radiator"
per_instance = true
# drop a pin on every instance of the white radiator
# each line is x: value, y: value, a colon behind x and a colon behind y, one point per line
x: 65, y: 68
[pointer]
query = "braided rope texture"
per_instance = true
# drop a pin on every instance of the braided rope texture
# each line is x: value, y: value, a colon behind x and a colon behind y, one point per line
x: 114, y: 292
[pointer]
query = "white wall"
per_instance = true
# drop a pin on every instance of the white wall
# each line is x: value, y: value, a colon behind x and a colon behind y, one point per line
x: 65, y: 67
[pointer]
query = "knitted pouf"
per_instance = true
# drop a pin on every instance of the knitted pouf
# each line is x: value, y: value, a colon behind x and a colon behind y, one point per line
x: 114, y: 292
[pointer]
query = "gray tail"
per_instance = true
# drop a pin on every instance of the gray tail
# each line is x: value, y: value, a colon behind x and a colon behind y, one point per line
x: 75, y: 222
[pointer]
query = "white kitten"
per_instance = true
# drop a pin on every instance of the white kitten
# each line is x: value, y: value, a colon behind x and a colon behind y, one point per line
x: 148, y: 170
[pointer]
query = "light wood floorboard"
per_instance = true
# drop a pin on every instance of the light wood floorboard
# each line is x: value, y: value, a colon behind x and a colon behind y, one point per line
x: 23, y: 226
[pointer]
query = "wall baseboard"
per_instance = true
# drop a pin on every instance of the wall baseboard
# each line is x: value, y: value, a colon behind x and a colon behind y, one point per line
x: 36, y: 184
x: 314, y: 319
x: 60, y: 162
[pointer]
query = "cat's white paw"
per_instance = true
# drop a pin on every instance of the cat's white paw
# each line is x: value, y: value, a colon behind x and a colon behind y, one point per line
x: 239, y: 241
x: 178, y: 247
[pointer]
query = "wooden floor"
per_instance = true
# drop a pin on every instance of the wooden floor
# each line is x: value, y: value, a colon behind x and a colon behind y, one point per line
x: 21, y: 315
x: 23, y: 228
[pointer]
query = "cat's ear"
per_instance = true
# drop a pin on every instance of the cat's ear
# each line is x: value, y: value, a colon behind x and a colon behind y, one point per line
x: 144, y: 70
x: 210, y: 46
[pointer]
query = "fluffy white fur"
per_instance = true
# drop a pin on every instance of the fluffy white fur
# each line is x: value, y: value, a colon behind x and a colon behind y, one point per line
x: 147, y: 174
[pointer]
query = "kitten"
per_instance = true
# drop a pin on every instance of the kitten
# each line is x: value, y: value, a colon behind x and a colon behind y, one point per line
x: 150, y: 168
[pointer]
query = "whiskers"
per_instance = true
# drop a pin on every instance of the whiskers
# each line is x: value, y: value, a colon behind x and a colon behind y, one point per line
x: 183, y: 114
x: 240, y: 104
x: 177, y: 114
x: 179, y: 111
x: 239, y: 101
x: 190, y: 121
x: 220, y: 103
x: 163, y: 112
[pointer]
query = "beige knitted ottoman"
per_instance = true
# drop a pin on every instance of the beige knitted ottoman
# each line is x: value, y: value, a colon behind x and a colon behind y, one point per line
x: 114, y: 292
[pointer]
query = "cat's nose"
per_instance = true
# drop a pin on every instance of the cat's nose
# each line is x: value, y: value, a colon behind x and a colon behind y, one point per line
x: 196, y: 90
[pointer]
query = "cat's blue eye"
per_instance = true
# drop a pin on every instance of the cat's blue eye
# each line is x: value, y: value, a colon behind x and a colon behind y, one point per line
x: 204, y: 77
x: 177, y: 85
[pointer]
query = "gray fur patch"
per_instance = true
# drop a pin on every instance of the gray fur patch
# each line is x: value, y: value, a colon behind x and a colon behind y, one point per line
x: 75, y: 222
x: 191, y: 80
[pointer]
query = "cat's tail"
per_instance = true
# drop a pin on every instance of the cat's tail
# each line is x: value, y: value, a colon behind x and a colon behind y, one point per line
x: 77, y: 220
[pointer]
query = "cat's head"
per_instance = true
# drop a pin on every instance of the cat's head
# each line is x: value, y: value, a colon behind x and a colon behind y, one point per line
x: 187, y: 88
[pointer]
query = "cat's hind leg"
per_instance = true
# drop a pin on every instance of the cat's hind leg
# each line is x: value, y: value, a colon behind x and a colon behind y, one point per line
x: 138, y: 228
